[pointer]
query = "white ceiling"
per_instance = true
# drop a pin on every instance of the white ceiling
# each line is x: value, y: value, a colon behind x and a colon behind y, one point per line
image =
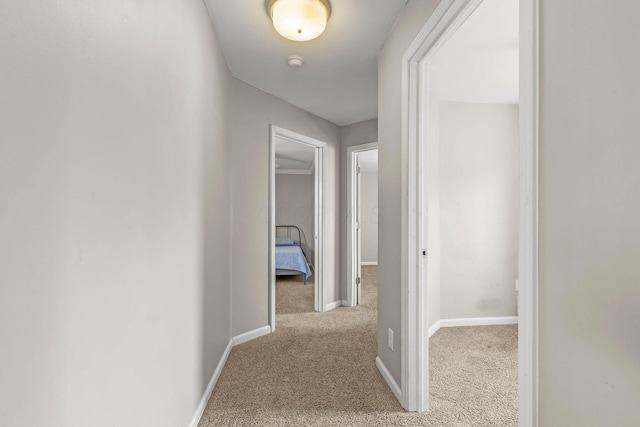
x: 339, y: 79
x: 480, y: 61
x: 291, y: 156
x: 368, y: 161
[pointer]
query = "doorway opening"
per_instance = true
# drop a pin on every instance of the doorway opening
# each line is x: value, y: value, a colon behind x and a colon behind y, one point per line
x: 443, y: 24
x: 297, y: 155
x: 362, y: 176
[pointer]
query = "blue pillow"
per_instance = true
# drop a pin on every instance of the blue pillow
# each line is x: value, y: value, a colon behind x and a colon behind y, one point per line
x: 284, y: 241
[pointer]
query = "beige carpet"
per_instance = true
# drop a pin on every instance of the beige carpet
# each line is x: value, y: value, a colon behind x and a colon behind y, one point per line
x: 318, y: 369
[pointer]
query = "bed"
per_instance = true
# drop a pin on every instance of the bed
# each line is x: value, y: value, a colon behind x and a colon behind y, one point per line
x: 291, y: 259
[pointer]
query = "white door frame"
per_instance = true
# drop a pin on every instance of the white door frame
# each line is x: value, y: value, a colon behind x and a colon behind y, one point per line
x: 351, y: 234
x: 319, y: 202
x: 446, y: 19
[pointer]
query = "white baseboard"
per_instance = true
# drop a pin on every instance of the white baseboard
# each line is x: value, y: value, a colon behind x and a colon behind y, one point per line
x: 369, y: 263
x: 393, y: 385
x: 434, y: 328
x: 239, y: 339
x: 333, y: 305
x: 472, y: 321
x: 251, y: 335
x: 479, y: 321
x: 212, y: 383
x: 345, y: 303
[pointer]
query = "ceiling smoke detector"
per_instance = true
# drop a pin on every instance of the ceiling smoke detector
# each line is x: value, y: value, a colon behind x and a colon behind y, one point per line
x: 295, y: 61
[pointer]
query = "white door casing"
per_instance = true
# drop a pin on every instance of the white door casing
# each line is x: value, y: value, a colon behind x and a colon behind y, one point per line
x: 319, y: 202
x: 358, y: 208
x: 446, y: 19
x: 354, y: 259
x: 318, y: 232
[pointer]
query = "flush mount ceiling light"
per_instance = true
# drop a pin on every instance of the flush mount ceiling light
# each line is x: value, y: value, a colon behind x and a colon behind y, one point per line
x: 299, y: 20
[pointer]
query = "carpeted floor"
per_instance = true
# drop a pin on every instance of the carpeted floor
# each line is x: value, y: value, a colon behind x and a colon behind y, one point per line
x: 318, y: 369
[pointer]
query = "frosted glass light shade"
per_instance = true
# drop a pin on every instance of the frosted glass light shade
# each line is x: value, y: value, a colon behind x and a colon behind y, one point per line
x: 299, y: 20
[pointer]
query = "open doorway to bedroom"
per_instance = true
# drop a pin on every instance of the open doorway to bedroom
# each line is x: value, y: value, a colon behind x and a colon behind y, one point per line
x: 296, y: 224
x: 471, y: 159
x: 470, y: 214
x: 362, y: 238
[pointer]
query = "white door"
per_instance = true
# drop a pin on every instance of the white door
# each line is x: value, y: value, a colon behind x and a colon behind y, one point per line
x: 358, y: 225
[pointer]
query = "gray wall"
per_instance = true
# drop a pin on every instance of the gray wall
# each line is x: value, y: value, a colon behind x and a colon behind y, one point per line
x: 369, y: 205
x: 252, y: 113
x: 479, y: 209
x: 589, y: 236
x: 589, y: 210
x: 355, y: 134
x: 294, y: 206
x: 410, y: 22
x: 114, y: 212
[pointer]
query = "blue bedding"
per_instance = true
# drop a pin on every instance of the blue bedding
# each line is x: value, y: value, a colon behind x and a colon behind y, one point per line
x: 292, y: 258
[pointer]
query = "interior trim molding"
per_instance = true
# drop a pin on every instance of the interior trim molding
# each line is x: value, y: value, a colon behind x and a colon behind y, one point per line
x: 319, y: 173
x: 528, y: 388
x: 237, y: 340
x: 472, y: 321
x: 435, y: 328
x: 365, y: 263
x: 212, y: 384
x: 294, y: 171
x: 352, y: 262
x: 333, y: 305
x: 479, y: 321
x: 393, y: 385
x: 251, y: 335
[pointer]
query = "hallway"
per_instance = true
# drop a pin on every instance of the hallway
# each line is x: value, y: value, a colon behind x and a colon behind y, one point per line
x: 319, y: 369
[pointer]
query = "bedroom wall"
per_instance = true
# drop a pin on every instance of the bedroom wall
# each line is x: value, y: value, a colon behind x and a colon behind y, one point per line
x: 252, y: 112
x: 355, y: 134
x: 478, y: 209
x: 294, y: 206
x: 114, y: 212
x: 369, y: 205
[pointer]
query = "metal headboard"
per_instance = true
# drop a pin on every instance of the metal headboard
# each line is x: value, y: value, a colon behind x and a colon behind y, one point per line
x: 287, y: 230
